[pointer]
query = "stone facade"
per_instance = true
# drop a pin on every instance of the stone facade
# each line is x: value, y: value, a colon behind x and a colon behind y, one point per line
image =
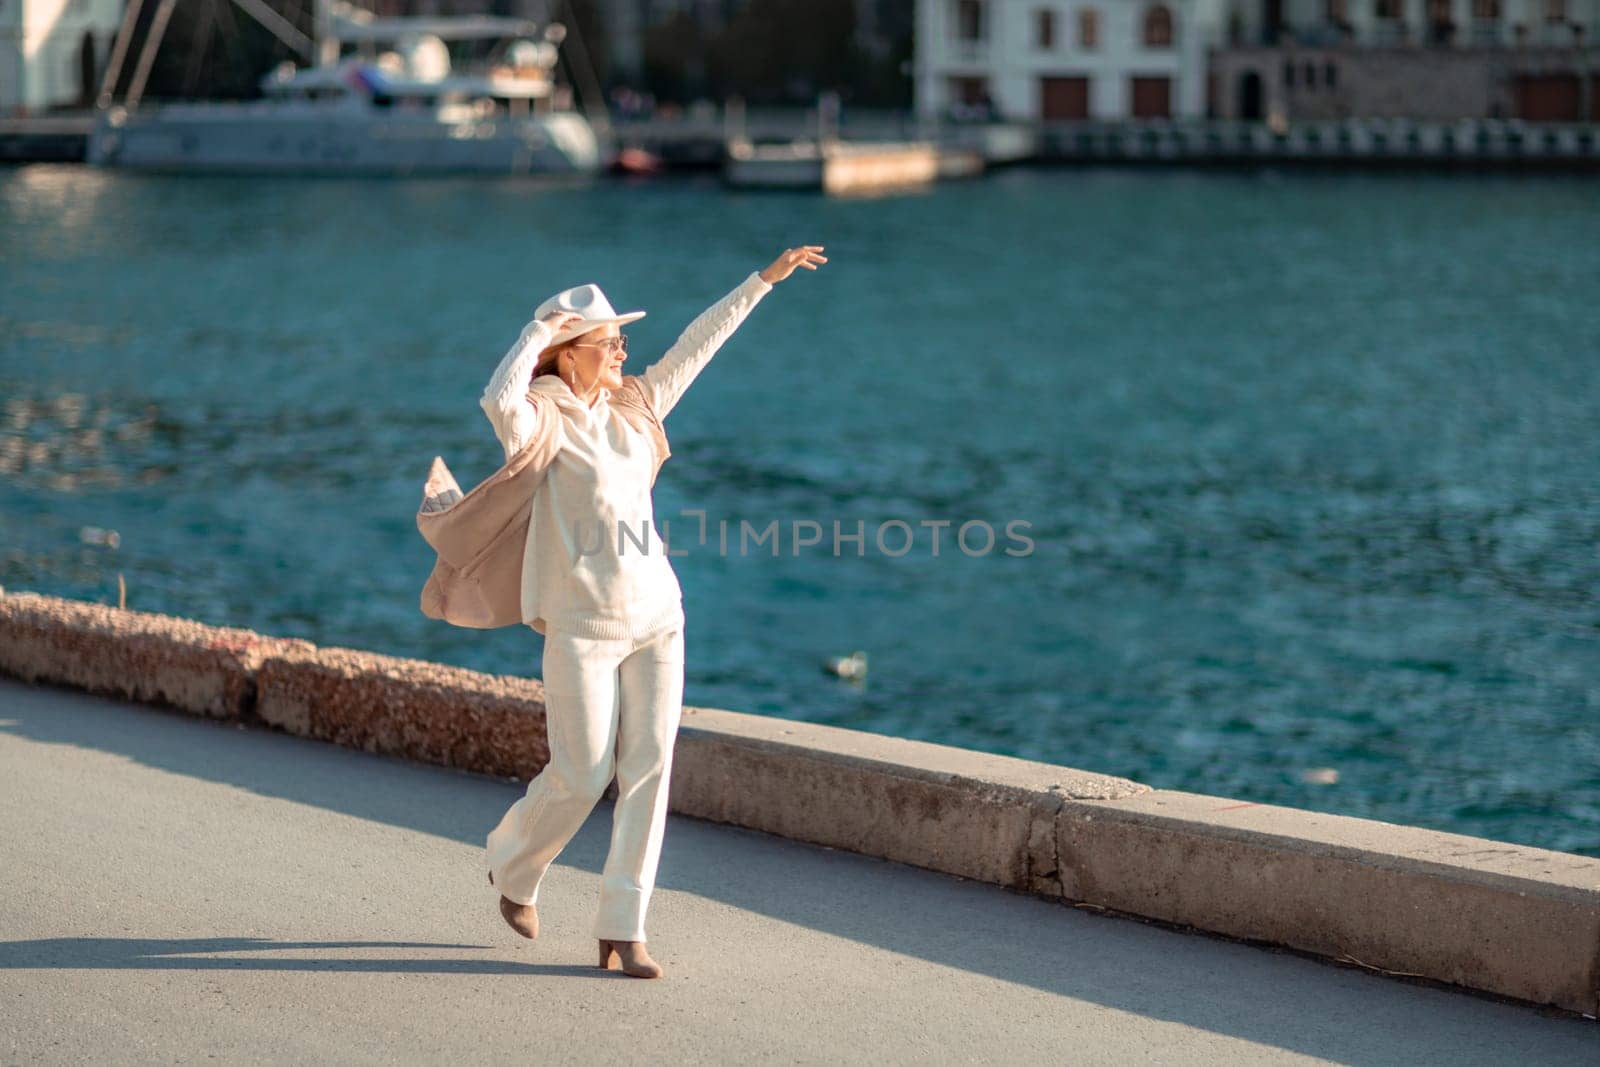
x: 1538, y: 84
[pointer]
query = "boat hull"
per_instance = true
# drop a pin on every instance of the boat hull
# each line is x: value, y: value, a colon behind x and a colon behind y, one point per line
x: 234, y: 139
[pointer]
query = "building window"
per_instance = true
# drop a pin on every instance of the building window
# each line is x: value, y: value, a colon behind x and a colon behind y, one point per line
x: 1486, y: 9
x: 1088, y: 28
x: 1045, y: 28
x: 1158, y: 27
x: 969, y: 20
x: 1311, y: 76
x: 1555, y: 10
x: 1335, y: 12
x: 1386, y: 9
x: 1288, y: 74
x: 1330, y: 76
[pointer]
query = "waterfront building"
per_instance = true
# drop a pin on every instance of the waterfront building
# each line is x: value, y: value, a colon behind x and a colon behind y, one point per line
x: 52, y: 52
x: 1064, y: 59
x: 1421, y: 59
x: 1441, y: 60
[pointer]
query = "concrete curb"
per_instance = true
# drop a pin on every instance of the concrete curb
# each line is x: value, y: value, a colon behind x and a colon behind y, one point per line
x: 973, y: 814
x: 1486, y: 915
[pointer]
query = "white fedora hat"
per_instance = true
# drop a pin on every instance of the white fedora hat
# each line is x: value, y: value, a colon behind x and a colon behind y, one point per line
x: 587, y: 300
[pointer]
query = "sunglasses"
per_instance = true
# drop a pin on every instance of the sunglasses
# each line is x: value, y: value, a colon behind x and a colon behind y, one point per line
x: 612, y: 345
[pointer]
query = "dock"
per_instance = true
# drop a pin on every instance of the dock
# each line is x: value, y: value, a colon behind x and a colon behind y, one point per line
x: 45, y: 138
x: 704, y: 140
x: 1372, y: 142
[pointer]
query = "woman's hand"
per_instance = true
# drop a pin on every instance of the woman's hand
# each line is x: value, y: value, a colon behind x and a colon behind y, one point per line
x: 807, y: 256
x: 557, y: 319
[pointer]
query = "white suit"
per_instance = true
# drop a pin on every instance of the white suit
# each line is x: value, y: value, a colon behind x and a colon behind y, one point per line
x: 614, y: 640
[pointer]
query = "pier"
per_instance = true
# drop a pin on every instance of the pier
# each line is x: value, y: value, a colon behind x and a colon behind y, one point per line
x: 45, y: 139
x: 1342, y: 142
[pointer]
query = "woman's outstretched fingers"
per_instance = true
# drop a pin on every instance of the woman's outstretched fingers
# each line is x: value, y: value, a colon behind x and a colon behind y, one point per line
x: 807, y: 256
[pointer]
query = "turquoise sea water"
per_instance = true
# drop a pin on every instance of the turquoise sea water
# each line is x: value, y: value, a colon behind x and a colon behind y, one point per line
x: 1311, y: 462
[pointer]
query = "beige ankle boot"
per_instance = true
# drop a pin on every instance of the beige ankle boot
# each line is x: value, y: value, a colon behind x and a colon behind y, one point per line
x: 635, y: 960
x: 522, y: 918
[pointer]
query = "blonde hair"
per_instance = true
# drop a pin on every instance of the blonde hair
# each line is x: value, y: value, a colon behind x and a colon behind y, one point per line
x: 549, y: 359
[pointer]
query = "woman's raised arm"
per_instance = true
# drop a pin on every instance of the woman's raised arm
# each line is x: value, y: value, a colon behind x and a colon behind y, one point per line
x: 666, y: 379
x: 505, y: 398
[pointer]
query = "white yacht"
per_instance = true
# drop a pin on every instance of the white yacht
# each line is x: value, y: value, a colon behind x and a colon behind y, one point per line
x: 395, y: 105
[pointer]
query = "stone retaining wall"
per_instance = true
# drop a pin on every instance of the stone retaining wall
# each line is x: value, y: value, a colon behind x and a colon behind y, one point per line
x: 156, y: 659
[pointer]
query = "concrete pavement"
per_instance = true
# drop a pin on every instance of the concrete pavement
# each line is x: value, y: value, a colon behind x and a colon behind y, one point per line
x: 177, y: 889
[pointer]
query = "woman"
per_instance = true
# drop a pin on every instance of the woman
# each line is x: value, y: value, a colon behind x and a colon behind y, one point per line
x: 597, y: 583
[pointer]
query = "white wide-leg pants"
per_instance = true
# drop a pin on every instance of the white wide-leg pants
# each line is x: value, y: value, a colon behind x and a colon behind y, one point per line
x: 612, y: 707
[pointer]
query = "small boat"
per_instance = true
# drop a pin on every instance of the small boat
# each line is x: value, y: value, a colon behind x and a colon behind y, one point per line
x: 634, y: 160
x: 843, y: 167
x: 396, y: 106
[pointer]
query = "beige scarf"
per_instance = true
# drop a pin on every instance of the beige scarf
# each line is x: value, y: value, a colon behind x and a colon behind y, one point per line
x: 479, y: 537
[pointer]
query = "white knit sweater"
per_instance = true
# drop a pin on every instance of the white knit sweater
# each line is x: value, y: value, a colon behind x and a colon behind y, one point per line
x: 576, y: 575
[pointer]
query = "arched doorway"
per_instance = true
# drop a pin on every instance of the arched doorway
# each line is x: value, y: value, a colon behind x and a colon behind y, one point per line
x: 1250, y: 95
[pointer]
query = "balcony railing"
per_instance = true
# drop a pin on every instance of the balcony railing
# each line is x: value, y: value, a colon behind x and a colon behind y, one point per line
x: 1396, y: 33
x: 1486, y: 33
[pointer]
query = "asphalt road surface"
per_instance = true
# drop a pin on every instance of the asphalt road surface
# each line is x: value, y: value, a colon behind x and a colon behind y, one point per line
x: 181, y: 890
